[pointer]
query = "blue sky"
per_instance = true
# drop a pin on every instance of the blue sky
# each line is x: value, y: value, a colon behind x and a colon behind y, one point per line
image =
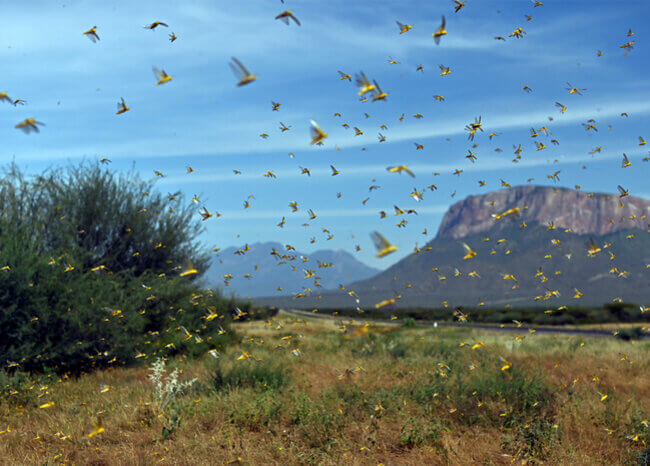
x: 203, y: 119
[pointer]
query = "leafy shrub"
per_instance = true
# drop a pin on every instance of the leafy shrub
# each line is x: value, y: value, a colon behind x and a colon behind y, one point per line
x: 634, y: 333
x: 106, y: 218
x: 89, y: 271
x: 16, y: 388
x: 409, y: 322
x: 255, y: 312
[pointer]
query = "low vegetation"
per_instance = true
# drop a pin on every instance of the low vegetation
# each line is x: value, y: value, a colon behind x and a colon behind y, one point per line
x: 610, y: 313
x: 315, y: 391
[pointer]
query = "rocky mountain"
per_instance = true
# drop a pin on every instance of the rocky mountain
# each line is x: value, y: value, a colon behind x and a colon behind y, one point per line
x: 256, y: 271
x: 581, y: 212
x: 538, y: 255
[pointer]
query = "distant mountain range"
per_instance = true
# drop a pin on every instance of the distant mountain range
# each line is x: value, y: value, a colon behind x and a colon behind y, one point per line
x: 536, y: 256
x: 260, y: 268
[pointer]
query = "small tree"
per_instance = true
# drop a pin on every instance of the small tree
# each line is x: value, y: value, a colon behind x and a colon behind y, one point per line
x: 116, y: 220
x: 89, y: 264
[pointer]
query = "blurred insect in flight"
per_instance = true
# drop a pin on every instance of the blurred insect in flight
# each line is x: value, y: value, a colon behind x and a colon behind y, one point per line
x: 285, y: 15
x: 317, y: 134
x: 382, y: 245
x: 92, y: 34
x: 121, y: 107
x: 28, y: 125
x: 161, y: 76
x: 243, y: 75
x: 155, y: 24
x: 440, y: 32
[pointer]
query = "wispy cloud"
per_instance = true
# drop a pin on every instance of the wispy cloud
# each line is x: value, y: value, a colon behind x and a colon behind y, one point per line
x: 206, y: 140
x: 374, y: 169
x: 325, y: 213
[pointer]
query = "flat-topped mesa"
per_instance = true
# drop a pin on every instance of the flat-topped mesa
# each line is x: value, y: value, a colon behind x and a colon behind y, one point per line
x: 582, y: 212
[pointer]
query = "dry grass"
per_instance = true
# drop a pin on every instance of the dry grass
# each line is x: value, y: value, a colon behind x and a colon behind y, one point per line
x: 410, y: 396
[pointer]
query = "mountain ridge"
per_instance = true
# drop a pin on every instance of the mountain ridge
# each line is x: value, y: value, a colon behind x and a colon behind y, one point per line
x: 592, y: 213
x: 279, y: 266
x: 538, y: 257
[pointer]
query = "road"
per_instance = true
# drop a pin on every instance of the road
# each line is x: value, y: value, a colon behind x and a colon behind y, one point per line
x: 494, y: 328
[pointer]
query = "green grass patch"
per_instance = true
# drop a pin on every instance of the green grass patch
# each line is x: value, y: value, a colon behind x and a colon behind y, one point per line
x: 270, y: 375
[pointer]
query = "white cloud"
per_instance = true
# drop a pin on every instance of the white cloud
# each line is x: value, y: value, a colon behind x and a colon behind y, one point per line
x: 374, y: 169
x: 204, y: 138
x: 253, y: 214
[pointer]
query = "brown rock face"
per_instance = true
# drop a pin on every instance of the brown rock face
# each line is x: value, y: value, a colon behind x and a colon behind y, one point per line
x: 582, y: 212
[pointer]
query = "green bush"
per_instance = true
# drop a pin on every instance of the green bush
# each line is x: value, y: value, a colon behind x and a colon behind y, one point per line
x: 16, y: 388
x: 409, y: 322
x: 89, y: 272
x: 634, y: 333
x: 105, y: 218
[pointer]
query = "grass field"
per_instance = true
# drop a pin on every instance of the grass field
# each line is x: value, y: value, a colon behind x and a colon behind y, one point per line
x: 295, y: 391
